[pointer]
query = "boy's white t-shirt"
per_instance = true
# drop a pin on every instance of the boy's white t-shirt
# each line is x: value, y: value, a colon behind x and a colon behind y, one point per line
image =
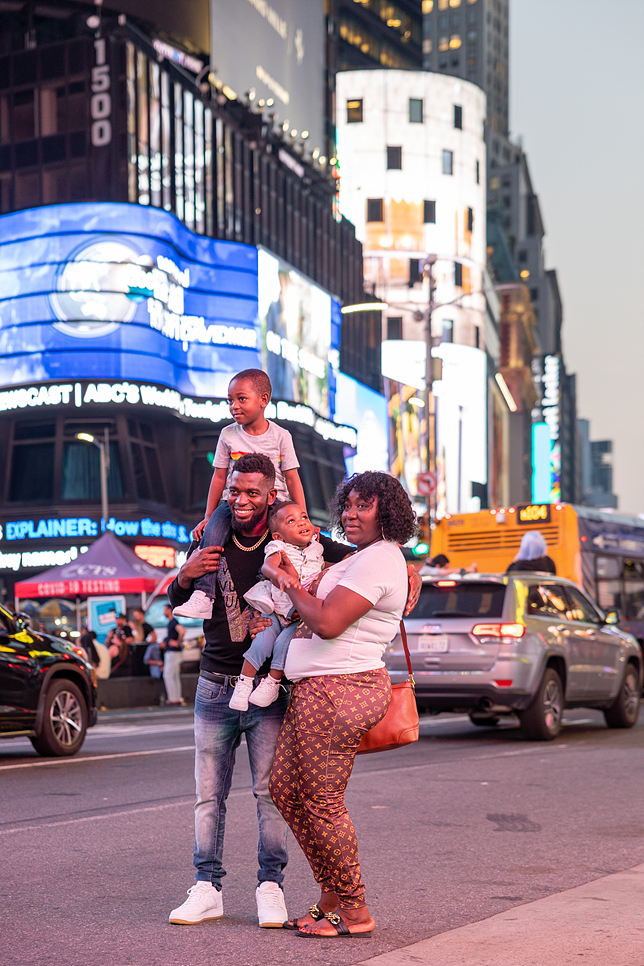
x: 276, y: 443
x: 379, y: 574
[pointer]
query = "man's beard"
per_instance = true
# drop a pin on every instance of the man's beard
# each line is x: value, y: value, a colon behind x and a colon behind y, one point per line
x: 248, y: 525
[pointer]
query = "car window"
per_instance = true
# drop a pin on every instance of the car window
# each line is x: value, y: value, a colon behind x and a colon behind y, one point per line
x: 459, y: 600
x: 547, y: 600
x: 581, y: 609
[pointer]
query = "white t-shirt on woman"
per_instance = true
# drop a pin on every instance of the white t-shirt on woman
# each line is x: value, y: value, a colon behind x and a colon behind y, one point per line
x: 379, y: 574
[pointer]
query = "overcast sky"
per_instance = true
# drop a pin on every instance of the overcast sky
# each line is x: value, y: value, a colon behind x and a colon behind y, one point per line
x: 577, y: 99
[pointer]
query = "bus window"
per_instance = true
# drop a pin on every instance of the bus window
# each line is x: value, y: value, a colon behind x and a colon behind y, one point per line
x: 608, y: 567
x: 633, y: 601
x: 609, y: 591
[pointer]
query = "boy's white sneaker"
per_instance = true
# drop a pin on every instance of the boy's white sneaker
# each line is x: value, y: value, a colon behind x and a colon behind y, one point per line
x: 271, y: 908
x: 241, y: 694
x: 199, y: 605
x: 204, y: 902
x: 265, y: 692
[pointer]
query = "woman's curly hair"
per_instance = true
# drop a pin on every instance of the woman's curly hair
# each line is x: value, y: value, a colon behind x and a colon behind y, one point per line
x: 396, y: 517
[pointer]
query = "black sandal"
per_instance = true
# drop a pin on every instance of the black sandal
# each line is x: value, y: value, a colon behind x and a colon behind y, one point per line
x: 314, y: 911
x: 338, y: 924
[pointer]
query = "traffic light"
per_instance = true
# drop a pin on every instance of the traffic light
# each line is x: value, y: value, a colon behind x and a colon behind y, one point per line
x: 424, y: 537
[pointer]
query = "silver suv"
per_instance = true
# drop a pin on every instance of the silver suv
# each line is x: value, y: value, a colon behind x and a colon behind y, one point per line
x: 525, y: 644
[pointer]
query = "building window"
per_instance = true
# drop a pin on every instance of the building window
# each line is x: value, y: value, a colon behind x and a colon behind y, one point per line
x: 394, y: 327
x: 82, y: 471
x: 145, y: 462
x: 415, y: 110
x: 522, y: 256
x: 375, y: 209
x: 470, y: 219
x: 429, y: 212
x: 448, y: 331
x: 458, y: 117
x: 32, y: 466
x: 354, y: 112
x: 448, y: 162
x: 443, y: 45
x: 534, y: 294
x: 458, y: 275
x: 415, y: 274
x: 394, y: 158
x: 478, y: 172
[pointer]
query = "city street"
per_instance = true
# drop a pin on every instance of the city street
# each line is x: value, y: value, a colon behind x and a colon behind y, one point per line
x: 468, y: 823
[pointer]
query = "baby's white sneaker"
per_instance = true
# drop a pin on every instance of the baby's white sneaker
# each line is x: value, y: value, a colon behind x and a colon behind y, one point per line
x: 266, y: 692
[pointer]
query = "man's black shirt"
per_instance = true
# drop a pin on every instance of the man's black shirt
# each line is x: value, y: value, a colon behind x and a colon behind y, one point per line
x: 222, y: 655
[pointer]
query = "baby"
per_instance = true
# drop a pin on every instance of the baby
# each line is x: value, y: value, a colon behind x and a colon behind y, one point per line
x: 293, y: 534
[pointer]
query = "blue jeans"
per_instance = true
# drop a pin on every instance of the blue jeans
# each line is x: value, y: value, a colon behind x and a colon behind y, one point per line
x: 273, y: 640
x: 216, y: 534
x: 218, y: 732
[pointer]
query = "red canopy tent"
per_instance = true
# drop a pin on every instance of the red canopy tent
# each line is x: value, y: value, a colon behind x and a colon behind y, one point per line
x: 108, y: 567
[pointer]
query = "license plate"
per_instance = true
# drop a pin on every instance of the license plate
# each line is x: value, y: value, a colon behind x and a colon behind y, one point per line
x: 433, y: 642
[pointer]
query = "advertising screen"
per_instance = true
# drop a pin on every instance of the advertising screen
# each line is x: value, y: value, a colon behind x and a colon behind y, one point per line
x: 118, y: 291
x: 275, y: 48
x: 403, y: 406
x: 300, y: 335
x: 461, y: 425
x: 357, y: 405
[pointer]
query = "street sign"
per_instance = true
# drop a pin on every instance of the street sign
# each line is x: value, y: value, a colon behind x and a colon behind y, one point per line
x: 426, y: 484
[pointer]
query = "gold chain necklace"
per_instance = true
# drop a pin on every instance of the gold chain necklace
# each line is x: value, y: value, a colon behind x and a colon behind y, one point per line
x: 249, y: 549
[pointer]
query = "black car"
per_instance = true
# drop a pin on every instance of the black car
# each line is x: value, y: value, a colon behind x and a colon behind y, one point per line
x: 47, y: 688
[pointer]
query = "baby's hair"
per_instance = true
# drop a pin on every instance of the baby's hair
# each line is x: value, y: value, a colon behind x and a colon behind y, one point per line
x: 258, y: 379
x: 276, y: 508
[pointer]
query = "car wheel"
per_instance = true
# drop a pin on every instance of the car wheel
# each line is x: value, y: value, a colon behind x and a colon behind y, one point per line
x: 542, y: 720
x: 65, y: 719
x: 483, y: 721
x: 624, y: 712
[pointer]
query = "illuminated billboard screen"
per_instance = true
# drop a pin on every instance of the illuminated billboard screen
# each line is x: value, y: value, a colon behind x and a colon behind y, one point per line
x: 119, y: 291
x: 358, y: 406
x: 275, y: 48
x: 300, y: 326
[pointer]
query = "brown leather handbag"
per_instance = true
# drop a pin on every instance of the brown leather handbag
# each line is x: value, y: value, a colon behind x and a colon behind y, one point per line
x: 400, y: 724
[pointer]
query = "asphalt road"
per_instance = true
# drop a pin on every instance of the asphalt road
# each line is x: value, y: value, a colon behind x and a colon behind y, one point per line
x: 467, y: 823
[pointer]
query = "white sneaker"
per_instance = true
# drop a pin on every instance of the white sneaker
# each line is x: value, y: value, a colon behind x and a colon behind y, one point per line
x: 241, y: 694
x: 204, y: 902
x: 265, y: 692
x: 271, y: 908
x: 199, y: 605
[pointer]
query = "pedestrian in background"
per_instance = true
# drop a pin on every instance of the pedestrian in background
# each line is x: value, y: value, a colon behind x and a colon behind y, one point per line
x: 144, y: 633
x: 533, y: 555
x: 153, y: 658
x: 172, y: 647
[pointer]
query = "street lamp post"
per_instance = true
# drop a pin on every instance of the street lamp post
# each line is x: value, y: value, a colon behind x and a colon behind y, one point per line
x: 104, y: 450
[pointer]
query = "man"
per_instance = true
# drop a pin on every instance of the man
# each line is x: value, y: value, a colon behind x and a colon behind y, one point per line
x: 218, y: 728
x: 172, y: 647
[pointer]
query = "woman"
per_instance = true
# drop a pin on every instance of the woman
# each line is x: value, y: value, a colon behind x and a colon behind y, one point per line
x: 341, y: 689
x: 532, y: 556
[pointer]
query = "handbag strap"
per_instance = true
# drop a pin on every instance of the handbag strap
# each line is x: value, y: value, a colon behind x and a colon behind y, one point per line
x: 403, y: 634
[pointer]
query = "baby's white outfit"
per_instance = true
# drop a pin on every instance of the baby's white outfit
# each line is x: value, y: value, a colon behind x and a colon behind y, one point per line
x: 308, y: 562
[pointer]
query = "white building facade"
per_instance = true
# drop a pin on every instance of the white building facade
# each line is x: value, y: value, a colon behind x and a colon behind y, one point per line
x: 411, y: 160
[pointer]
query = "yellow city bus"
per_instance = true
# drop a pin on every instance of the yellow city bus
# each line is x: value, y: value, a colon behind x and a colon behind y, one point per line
x: 603, y: 552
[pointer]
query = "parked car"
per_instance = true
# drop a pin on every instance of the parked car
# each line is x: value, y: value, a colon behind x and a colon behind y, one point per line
x: 47, y: 688
x: 490, y: 645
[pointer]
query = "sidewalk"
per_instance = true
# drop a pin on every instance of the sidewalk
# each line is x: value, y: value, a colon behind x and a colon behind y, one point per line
x: 597, y: 924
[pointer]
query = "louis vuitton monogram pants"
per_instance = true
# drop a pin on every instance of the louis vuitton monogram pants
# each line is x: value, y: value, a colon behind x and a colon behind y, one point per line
x: 316, y: 748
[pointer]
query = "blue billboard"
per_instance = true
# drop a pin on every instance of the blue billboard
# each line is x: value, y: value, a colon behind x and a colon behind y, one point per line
x: 365, y: 410
x: 118, y: 291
